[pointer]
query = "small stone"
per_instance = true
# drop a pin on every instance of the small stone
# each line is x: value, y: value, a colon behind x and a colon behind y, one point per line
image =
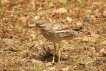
x: 48, y: 64
x: 65, y: 69
x: 69, y: 19
x: 78, y: 24
x: 36, y: 17
x: 36, y: 61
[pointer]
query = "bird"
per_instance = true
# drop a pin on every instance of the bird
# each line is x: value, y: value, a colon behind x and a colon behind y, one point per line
x: 56, y: 32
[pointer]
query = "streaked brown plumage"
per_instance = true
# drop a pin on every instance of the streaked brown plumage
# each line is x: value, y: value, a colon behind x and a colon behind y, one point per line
x: 55, y: 32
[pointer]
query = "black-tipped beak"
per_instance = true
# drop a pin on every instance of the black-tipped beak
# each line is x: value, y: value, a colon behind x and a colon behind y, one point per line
x: 31, y: 26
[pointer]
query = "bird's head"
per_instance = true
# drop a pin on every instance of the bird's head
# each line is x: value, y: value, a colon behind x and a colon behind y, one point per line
x: 40, y: 23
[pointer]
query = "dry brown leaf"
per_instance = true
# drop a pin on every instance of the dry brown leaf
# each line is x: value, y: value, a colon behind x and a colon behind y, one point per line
x: 37, y: 61
x: 4, y: 1
x: 20, y: 12
x: 36, y: 17
x: 32, y: 2
x: 65, y: 69
x: 94, y: 36
x: 7, y: 41
x: 53, y: 69
x: 104, y: 43
x: 60, y: 11
x: 61, y: 1
x: 48, y: 64
x: 69, y: 19
x: 24, y: 19
x: 86, y: 39
x: 78, y: 24
x: 104, y: 13
x: 1, y: 61
x: 103, y: 51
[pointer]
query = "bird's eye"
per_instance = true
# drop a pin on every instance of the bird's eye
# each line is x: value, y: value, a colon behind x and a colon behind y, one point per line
x: 40, y: 23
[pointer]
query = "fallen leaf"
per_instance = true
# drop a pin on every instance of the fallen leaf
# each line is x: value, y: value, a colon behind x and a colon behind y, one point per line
x: 78, y: 24
x: 61, y: 1
x: 36, y: 17
x: 104, y: 43
x: 103, y: 51
x: 69, y: 19
x: 104, y: 13
x: 48, y: 64
x: 36, y: 61
x: 4, y: 1
x: 65, y: 69
x: 60, y: 11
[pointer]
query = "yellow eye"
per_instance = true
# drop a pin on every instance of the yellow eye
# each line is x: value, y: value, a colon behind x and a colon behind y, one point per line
x: 40, y: 23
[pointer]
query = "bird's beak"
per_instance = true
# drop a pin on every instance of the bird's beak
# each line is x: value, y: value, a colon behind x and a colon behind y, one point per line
x: 31, y: 26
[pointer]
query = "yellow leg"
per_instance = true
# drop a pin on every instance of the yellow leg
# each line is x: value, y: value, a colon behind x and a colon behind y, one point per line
x: 59, y: 50
x: 54, y: 53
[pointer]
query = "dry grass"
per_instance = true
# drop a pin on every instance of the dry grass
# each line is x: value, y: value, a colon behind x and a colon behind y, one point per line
x: 23, y: 48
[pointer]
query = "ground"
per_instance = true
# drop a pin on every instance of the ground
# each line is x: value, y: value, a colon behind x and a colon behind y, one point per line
x: 25, y: 49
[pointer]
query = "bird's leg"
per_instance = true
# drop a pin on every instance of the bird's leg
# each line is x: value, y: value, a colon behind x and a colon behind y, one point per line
x: 54, y: 53
x: 59, y: 50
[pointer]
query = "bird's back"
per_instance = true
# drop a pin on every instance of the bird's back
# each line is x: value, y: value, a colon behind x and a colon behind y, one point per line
x: 57, y: 32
